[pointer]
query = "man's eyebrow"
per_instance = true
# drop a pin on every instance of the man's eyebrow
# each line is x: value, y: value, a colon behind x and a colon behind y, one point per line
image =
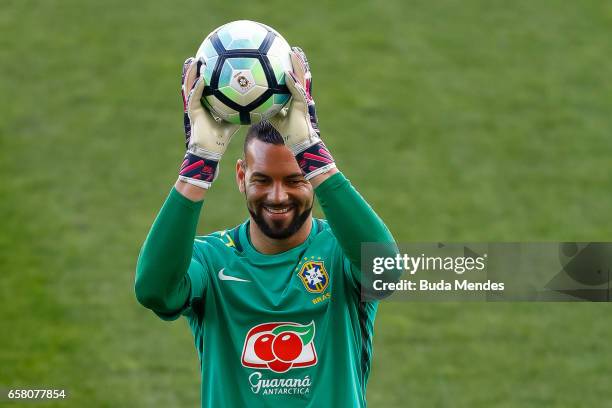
x: 258, y: 174
x: 289, y: 176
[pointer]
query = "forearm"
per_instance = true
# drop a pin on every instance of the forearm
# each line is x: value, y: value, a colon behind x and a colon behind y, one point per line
x: 350, y: 217
x: 161, y: 281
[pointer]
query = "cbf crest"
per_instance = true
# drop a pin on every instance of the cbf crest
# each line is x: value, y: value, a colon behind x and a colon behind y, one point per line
x: 314, y: 276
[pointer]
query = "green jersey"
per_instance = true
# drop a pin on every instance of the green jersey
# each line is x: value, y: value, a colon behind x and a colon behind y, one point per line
x: 279, y: 330
x: 283, y: 330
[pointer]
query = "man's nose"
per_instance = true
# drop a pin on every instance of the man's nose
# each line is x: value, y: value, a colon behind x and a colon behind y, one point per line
x: 277, y: 193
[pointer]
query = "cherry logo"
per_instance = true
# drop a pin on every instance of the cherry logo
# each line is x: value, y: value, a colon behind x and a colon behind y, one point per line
x: 280, y: 346
x: 287, y: 346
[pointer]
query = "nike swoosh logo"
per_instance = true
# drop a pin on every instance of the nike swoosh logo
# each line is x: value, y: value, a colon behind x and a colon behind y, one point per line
x: 223, y: 276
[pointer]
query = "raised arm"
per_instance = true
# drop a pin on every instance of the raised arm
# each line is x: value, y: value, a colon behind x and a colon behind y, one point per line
x: 167, y: 272
x: 351, y: 219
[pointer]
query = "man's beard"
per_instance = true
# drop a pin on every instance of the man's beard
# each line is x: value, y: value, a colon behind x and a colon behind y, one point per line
x: 277, y: 233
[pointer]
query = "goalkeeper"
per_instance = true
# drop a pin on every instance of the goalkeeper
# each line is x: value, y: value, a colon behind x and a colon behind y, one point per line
x: 274, y: 304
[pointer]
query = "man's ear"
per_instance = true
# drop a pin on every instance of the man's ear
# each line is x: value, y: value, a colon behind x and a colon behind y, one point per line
x: 240, y: 174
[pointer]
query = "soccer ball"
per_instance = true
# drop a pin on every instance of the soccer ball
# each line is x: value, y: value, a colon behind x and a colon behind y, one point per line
x: 244, y: 64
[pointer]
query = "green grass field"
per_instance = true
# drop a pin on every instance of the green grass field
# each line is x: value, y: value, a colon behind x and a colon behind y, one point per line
x: 457, y: 120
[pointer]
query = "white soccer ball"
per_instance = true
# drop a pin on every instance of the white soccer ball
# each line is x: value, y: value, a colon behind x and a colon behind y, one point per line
x: 244, y: 64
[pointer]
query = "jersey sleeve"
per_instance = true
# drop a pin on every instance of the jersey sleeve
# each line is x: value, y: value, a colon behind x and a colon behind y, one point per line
x: 352, y: 222
x: 170, y: 276
x: 194, y: 305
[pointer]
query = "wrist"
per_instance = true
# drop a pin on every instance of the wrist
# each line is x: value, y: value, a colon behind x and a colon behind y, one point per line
x: 315, y: 160
x: 190, y: 191
x: 198, y: 171
x: 317, y: 180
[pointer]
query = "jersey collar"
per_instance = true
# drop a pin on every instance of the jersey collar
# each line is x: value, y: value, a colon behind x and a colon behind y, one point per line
x: 254, y: 254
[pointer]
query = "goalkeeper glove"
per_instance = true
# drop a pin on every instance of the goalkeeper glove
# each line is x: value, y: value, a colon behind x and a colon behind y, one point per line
x: 206, y: 137
x: 298, y: 124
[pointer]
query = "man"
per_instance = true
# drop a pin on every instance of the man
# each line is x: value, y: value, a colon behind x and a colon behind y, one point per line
x: 274, y: 304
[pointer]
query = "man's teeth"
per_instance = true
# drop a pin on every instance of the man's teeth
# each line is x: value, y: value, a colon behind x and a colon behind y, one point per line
x: 277, y: 210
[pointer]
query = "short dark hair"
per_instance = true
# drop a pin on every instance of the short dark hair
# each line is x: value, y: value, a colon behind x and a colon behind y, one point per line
x: 263, y: 131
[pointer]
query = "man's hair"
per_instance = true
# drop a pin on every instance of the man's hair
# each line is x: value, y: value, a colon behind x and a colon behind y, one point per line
x: 263, y: 131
